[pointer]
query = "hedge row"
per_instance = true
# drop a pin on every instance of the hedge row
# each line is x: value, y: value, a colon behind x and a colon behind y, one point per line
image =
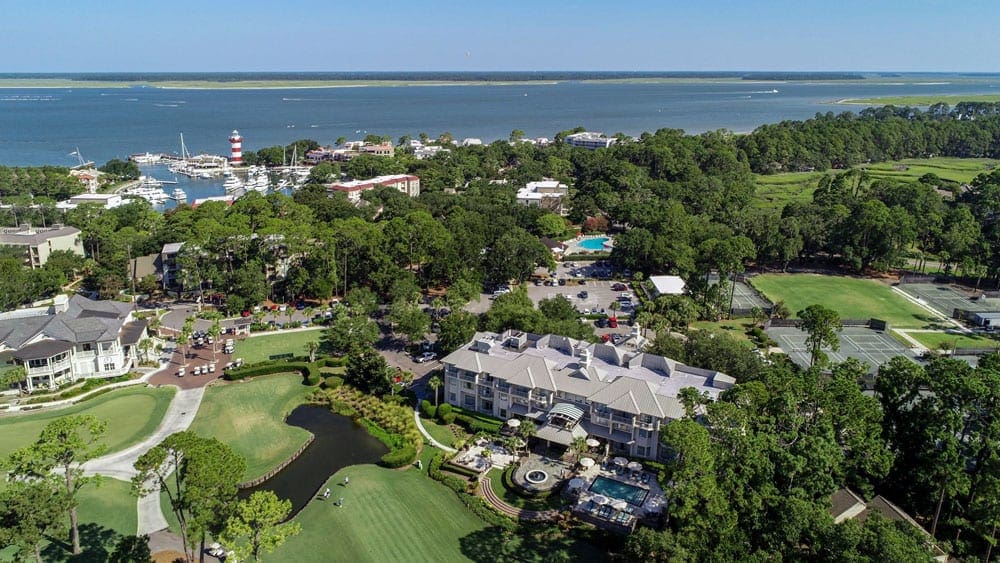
x: 427, y: 409
x: 309, y: 372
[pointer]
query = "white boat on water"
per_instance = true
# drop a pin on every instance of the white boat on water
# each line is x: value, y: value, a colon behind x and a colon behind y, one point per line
x: 232, y: 184
x: 149, y: 182
x: 178, y: 195
x: 145, y: 158
x: 151, y: 194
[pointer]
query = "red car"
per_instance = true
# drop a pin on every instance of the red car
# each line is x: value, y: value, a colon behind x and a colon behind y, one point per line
x: 245, y: 314
x: 605, y: 337
x: 612, y: 322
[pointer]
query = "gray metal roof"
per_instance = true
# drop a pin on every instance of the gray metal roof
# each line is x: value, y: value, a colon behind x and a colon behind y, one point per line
x: 35, y: 237
x: 43, y: 349
x: 84, y: 320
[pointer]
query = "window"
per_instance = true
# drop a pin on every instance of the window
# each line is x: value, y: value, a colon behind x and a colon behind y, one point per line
x: 451, y: 397
x: 643, y: 433
x: 37, y: 363
x: 470, y: 401
x: 109, y: 366
x: 88, y: 347
x: 503, y: 413
x: 467, y: 385
x: 641, y: 450
x: 107, y: 346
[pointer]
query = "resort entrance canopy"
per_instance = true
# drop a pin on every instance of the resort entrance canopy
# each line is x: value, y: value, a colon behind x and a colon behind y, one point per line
x: 562, y: 425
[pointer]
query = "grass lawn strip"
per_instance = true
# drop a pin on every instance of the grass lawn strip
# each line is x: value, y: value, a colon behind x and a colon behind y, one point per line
x: 933, y: 340
x: 852, y: 298
x: 132, y: 415
x: 249, y: 416
x: 737, y: 328
x: 260, y: 348
x: 440, y: 432
x: 387, y: 516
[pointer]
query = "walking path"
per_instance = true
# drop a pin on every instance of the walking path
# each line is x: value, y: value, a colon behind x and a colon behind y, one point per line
x: 119, y: 465
x: 435, y: 443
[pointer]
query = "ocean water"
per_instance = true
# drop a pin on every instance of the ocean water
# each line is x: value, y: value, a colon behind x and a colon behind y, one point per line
x: 43, y: 126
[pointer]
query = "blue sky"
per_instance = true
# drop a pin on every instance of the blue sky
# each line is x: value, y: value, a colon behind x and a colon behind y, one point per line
x: 332, y: 35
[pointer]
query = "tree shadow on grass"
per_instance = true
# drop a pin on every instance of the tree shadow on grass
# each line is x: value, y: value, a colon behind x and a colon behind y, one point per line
x: 96, y: 541
x: 536, y: 542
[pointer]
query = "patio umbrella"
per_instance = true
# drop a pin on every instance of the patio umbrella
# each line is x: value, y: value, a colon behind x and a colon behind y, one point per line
x: 592, y: 443
x: 513, y: 423
x: 620, y: 461
x: 586, y: 462
x: 619, y: 505
x: 600, y: 499
x: 576, y: 483
x: 635, y: 466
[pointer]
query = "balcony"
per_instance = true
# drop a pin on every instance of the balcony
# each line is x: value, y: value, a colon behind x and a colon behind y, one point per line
x: 486, y: 393
x: 622, y: 419
x: 619, y: 427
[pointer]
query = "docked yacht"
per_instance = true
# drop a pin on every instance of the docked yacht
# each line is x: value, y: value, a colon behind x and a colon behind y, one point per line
x: 232, y: 184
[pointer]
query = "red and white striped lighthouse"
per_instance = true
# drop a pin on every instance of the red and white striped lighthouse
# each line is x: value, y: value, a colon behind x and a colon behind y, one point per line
x: 236, y: 148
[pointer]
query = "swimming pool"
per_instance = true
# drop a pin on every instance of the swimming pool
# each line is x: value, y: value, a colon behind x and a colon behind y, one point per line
x: 616, y: 489
x: 592, y: 243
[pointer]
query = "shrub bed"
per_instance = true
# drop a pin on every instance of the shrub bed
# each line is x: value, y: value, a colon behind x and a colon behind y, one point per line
x: 428, y: 409
x: 392, y: 424
x: 309, y: 372
x: 472, y: 421
x: 88, y: 385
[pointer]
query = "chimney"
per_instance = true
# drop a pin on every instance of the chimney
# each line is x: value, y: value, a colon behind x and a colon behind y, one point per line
x: 585, y: 358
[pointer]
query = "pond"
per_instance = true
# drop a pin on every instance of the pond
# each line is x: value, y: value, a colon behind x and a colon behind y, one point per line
x: 339, y: 443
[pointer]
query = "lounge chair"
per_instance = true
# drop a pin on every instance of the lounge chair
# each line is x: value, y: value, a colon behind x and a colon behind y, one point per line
x: 645, y: 478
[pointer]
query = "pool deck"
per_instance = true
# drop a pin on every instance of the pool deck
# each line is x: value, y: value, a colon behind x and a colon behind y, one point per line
x: 605, y: 514
x: 574, y: 247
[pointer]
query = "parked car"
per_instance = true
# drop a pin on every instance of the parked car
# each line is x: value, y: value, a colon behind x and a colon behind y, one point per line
x: 612, y: 322
x: 605, y: 337
x: 619, y: 286
x: 583, y: 295
x: 425, y: 357
x: 601, y: 323
x: 562, y: 281
x: 625, y: 296
x: 245, y: 314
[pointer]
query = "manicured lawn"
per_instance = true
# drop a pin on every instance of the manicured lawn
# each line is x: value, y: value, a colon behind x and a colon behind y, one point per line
x: 852, y: 298
x: 261, y: 348
x: 249, y: 416
x: 933, y: 340
x: 387, y: 515
x: 737, y: 329
x: 132, y: 414
x: 440, y: 432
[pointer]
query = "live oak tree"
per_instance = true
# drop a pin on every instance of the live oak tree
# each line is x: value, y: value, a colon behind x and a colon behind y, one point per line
x: 30, y: 513
x: 258, y: 525
x: 350, y: 331
x: 821, y: 325
x: 198, y: 475
x: 456, y: 329
x: 368, y: 371
x: 63, y: 445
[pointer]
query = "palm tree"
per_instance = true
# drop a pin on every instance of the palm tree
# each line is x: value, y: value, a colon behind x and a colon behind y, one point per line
x: 145, y: 346
x: 183, y: 338
x: 215, y: 331
x: 578, y: 446
x: 526, y: 431
x: 435, y: 383
x: 154, y: 324
x: 311, y: 348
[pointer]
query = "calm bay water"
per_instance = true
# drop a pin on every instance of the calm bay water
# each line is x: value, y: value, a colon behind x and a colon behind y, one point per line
x: 43, y: 126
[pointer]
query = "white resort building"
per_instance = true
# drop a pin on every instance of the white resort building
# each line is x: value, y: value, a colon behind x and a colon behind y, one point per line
x: 576, y: 389
x: 547, y: 194
x: 405, y: 183
x: 38, y: 243
x: 590, y: 140
x: 74, y: 338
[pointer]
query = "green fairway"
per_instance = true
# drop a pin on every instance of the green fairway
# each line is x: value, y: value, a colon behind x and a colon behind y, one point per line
x: 962, y: 170
x: 387, y: 516
x: 922, y: 100
x: 261, y: 348
x: 852, y: 298
x: 249, y: 416
x: 777, y: 190
x: 132, y: 414
x: 934, y: 340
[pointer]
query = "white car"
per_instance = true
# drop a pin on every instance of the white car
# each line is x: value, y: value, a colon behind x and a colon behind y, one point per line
x: 425, y: 357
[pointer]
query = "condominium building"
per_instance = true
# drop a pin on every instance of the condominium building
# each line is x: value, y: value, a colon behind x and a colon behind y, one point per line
x: 39, y: 243
x: 574, y: 389
x: 590, y: 140
x: 547, y: 194
x: 405, y: 183
x: 72, y: 339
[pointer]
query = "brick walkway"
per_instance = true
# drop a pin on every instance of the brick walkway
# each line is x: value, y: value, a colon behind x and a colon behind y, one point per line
x: 485, y: 490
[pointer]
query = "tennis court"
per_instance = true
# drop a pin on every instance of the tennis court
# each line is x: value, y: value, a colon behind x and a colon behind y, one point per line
x: 945, y: 299
x: 744, y: 297
x: 870, y: 346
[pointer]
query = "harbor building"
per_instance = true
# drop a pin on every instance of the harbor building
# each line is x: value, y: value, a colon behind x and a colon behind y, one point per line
x: 106, y: 201
x: 39, y: 243
x: 74, y: 338
x: 590, y: 140
x: 616, y: 393
x: 405, y: 183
